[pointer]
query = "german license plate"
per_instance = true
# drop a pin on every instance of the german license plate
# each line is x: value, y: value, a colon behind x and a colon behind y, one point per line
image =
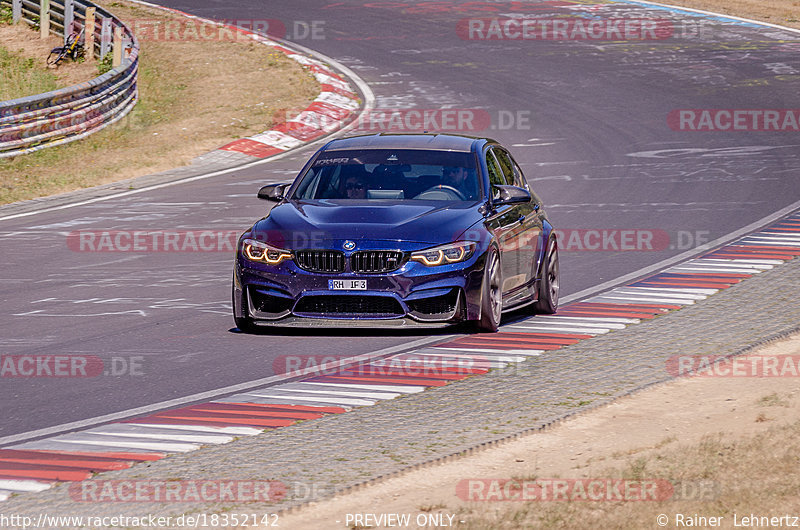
x: 347, y: 285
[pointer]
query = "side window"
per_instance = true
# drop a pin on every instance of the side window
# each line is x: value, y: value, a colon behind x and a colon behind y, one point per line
x: 506, y: 165
x: 495, y: 175
x: 520, y: 177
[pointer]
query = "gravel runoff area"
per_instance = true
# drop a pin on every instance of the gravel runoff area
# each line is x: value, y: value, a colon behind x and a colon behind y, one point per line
x: 342, y: 452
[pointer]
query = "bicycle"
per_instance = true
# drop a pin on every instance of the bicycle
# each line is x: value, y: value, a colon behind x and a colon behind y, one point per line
x: 72, y: 48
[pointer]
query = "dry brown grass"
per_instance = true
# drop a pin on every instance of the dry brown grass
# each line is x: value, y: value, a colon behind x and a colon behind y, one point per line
x: 782, y: 12
x: 722, y: 475
x: 25, y: 43
x: 194, y: 96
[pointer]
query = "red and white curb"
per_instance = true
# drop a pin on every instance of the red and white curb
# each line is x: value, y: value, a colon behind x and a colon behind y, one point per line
x: 335, y: 106
x: 35, y: 466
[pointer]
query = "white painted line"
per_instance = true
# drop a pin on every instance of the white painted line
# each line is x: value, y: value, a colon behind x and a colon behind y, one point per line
x: 333, y: 81
x: 337, y: 100
x: 732, y: 264
x: 687, y: 290
x: 319, y: 399
x: 302, y: 59
x: 191, y: 438
x: 460, y: 361
x: 572, y: 324
x: 683, y: 296
x: 495, y: 357
x: 753, y: 261
x: 410, y: 389
x: 369, y: 103
x: 24, y: 485
x: 715, y: 269
x: 335, y: 393
x: 558, y: 327
x: 212, y: 394
x: 534, y: 329
x: 774, y: 240
x: 612, y: 320
x: 776, y: 237
x: 422, y: 366
x: 315, y: 120
x: 524, y: 353
x: 234, y: 431
x: 663, y: 264
x: 648, y: 300
x: 244, y: 398
x: 165, y: 447
x: 277, y: 139
x: 713, y: 14
x: 770, y: 243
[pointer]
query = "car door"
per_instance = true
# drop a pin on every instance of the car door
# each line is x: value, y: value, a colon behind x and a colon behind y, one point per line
x: 531, y: 245
x: 503, y: 222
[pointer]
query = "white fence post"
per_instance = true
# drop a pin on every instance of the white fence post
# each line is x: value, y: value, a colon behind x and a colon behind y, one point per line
x: 105, y: 37
x: 116, y: 58
x: 69, y: 18
x: 89, y: 41
x: 16, y: 9
x: 44, y: 19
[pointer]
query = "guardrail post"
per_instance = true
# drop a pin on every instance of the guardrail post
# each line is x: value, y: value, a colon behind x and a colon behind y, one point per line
x: 16, y: 10
x: 119, y: 47
x: 89, y: 45
x: 105, y: 37
x: 44, y: 19
x: 69, y: 17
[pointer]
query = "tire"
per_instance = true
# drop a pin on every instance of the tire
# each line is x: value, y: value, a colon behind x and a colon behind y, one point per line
x: 245, y: 324
x: 491, y: 294
x: 56, y: 54
x: 549, y: 283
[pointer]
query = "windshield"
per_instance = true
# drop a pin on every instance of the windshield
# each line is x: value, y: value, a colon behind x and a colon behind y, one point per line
x: 375, y: 174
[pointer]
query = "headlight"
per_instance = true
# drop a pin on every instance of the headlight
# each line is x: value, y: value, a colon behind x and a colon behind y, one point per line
x: 258, y: 251
x: 452, y: 253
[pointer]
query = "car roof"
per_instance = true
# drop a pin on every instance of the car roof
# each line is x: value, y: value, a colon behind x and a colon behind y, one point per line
x: 433, y: 141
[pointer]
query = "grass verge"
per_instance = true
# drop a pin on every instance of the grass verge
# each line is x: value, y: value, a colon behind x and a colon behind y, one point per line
x: 722, y: 476
x: 194, y: 95
x: 781, y: 12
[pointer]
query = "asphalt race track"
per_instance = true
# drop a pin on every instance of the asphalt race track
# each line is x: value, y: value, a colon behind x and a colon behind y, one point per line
x: 587, y: 120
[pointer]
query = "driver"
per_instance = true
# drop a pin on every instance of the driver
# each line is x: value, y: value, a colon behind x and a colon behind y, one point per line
x: 458, y: 178
x: 355, y: 187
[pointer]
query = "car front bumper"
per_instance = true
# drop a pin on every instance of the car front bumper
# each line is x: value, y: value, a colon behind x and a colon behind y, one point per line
x: 413, y: 295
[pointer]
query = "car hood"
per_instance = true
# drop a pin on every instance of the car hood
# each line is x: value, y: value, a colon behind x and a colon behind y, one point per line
x: 429, y: 222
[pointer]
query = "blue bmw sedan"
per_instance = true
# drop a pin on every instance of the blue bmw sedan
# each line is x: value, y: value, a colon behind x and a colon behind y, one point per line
x: 395, y: 230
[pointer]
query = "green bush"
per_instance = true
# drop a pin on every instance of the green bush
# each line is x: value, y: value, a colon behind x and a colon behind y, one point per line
x: 105, y: 64
x: 6, y: 15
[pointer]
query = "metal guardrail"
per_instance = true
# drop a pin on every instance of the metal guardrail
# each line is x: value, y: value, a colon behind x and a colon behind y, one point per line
x: 45, y: 120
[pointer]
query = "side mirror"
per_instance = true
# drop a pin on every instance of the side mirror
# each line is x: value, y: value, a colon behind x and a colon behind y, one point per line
x: 509, y: 195
x: 273, y: 192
